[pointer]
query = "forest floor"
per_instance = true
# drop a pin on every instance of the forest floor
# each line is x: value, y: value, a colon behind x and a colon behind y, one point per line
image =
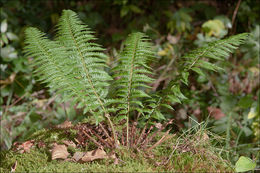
x: 62, y: 150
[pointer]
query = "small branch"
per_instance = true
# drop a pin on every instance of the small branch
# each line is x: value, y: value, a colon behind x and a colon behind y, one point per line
x: 100, y: 138
x: 145, y: 139
x: 161, y: 77
x: 163, y: 138
x: 155, y: 133
x: 122, y: 139
x: 92, y: 139
x: 235, y: 14
x: 133, y: 130
x: 141, y: 136
x: 172, y: 153
x: 106, y: 133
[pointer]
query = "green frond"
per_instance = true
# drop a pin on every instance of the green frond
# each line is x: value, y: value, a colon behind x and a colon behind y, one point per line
x: 89, y: 61
x: 133, y: 72
x: 196, y: 60
x: 52, y: 67
x: 217, y: 50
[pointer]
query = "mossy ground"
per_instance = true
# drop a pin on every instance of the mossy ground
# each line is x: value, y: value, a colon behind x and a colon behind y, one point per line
x: 190, y: 155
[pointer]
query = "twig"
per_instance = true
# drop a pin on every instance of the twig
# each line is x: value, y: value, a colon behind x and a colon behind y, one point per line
x: 133, y: 130
x: 92, y: 139
x: 155, y: 133
x: 161, y: 77
x: 141, y: 135
x: 146, y: 135
x: 106, y: 133
x: 122, y: 139
x: 163, y: 138
x: 172, y: 153
x: 235, y: 14
x: 100, y: 138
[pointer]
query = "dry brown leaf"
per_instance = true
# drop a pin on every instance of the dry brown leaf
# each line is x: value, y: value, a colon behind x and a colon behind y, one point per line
x: 216, y: 113
x: 69, y: 143
x: 9, y: 80
x: 13, y: 168
x: 59, y: 152
x: 116, y: 161
x: 41, y: 144
x: 158, y: 125
x: 25, y: 147
x: 78, y: 155
x: 94, y: 155
x: 65, y: 125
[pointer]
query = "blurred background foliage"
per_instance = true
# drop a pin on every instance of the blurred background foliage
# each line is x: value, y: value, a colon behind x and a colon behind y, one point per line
x: 229, y: 101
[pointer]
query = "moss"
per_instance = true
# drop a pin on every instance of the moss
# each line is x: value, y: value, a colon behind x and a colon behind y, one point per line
x: 200, y: 159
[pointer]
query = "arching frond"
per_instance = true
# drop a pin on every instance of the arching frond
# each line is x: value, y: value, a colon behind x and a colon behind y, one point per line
x: 88, y: 60
x: 217, y: 50
x: 197, y: 60
x: 52, y: 66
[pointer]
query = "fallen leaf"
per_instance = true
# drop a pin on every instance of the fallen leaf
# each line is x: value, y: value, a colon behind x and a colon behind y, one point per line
x: 69, y: 143
x: 173, y: 39
x: 41, y: 144
x: 94, y: 155
x: 59, y: 152
x: 13, y: 168
x: 9, y: 80
x: 65, y: 125
x: 216, y: 113
x: 78, y: 155
x: 25, y: 147
x: 158, y: 125
x: 116, y: 161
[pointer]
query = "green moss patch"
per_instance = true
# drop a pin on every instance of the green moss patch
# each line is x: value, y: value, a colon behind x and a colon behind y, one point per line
x: 185, y: 155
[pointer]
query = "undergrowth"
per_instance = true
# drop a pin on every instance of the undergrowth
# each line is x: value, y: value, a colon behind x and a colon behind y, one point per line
x: 190, y: 152
x: 129, y: 118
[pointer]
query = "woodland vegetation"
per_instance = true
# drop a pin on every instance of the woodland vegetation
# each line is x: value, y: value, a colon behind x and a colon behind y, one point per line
x: 130, y: 86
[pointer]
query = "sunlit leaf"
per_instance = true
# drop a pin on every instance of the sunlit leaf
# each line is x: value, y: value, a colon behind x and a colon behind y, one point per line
x: 244, y: 164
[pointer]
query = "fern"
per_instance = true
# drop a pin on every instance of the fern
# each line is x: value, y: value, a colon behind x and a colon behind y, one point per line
x: 133, y: 71
x: 196, y: 60
x: 79, y: 63
x: 74, y: 66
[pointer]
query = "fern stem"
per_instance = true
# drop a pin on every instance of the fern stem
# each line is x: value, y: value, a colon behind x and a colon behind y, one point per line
x: 129, y: 92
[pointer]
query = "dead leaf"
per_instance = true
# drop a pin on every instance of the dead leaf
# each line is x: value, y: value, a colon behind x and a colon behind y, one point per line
x: 13, y: 168
x: 25, y: 147
x: 94, y: 155
x: 173, y: 39
x: 78, y: 155
x: 158, y: 125
x: 216, y: 113
x: 9, y: 80
x: 116, y: 161
x: 69, y: 143
x: 59, y: 152
x: 41, y: 144
x: 65, y: 125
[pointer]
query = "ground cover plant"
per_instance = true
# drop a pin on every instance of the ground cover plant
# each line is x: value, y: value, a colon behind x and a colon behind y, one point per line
x: 122, y: 109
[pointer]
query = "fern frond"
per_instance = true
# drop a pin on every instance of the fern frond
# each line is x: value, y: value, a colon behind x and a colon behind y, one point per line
x: 73, y: 65
x: 132, y: 70
x: 217, y: 50
x: 196, y: 60
x: 51, y: 65
x: 89, y: 61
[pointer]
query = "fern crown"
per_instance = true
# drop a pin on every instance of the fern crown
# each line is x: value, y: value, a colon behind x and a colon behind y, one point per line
x: 75, y: 67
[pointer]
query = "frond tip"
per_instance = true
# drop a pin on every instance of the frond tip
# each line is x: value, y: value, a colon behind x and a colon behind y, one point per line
x: 217, y: 50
